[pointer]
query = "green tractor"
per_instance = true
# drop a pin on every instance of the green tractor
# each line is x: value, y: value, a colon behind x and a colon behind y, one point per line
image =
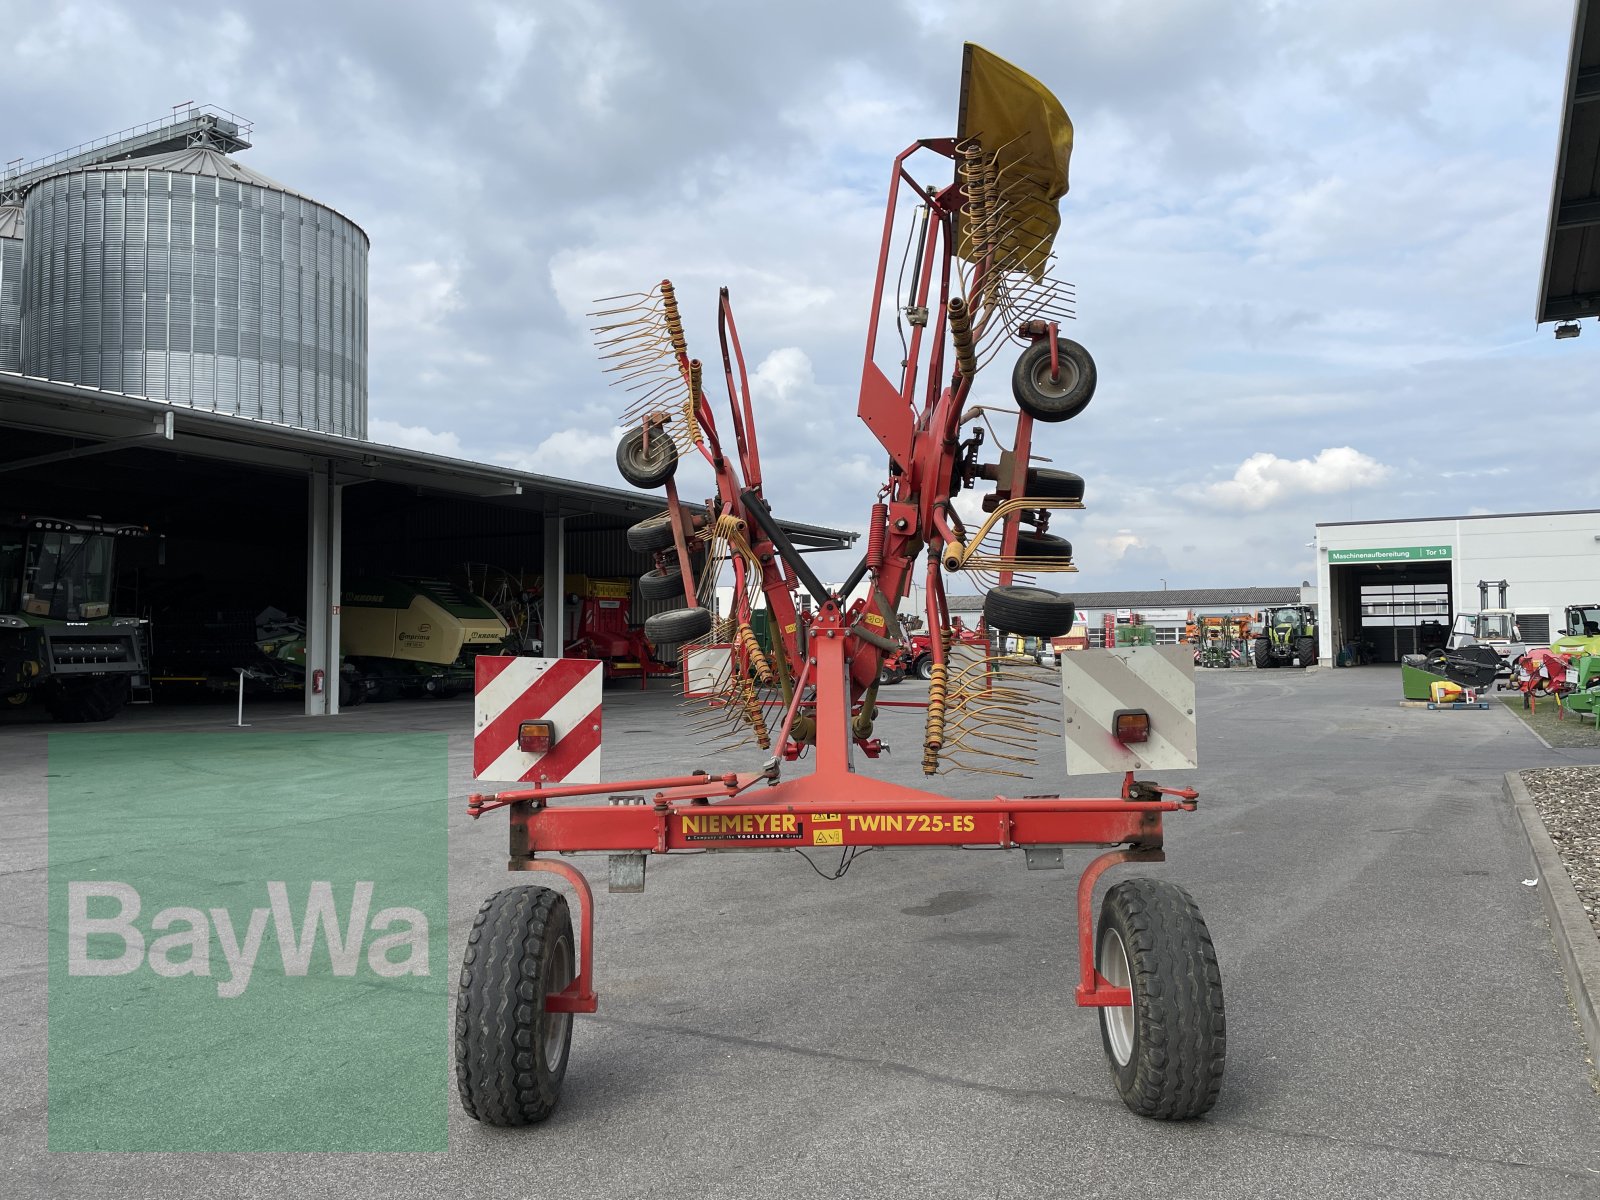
x: 1290, y: 634
x: 60, y: 645
x: 1581, y: 634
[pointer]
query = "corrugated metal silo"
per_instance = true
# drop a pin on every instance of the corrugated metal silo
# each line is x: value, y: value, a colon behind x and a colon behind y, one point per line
x: 188, y: 277
x: 10, y: 288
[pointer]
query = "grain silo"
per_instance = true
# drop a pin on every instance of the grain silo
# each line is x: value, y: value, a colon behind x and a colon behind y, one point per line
x: 185, y: 276
x: 10, y: 288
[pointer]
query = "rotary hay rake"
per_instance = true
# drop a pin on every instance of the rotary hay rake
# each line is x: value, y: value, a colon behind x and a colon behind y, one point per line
x: 982, y: 248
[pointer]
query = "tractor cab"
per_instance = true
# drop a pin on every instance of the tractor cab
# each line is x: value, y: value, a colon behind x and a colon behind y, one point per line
x: 1581, y: 633
x: 60, y: 574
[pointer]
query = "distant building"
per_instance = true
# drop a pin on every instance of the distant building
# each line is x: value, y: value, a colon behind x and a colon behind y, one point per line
x: 1166, y: 611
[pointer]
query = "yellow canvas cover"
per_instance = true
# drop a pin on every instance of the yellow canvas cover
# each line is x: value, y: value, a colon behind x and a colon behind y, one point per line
x: 1009, y: 111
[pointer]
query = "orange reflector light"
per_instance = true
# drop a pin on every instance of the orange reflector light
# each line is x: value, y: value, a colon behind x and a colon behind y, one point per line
x: 534, y: 737
x: 1130, y: 725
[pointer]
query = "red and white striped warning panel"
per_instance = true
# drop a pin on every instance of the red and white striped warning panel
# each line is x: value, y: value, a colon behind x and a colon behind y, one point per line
x: 564, y: 691
x: 1155, y: 682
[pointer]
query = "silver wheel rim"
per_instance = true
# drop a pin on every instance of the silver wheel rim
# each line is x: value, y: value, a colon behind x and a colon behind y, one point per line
x: 1056, y: 387
x: 556, y: 1024
x: 1117, y: 1021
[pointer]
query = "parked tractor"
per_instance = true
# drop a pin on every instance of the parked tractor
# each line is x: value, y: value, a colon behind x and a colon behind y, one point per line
x: 1491, y: 628
x: 1288, y: 635
x: 1581, y: 633
x: 60, y: 644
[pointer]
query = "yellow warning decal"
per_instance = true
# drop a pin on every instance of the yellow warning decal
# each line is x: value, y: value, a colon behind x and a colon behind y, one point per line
x: 827, y: 837
x: 874, y: 619
x: 788, y: 628
x: 826, y: 818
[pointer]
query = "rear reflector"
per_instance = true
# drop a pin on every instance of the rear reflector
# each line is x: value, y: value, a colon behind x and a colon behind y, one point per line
x: 1130, y: 725
x: 534, y: 737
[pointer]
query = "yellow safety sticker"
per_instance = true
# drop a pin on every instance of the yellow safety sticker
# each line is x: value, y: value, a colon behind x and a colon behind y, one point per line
x: 874, y: 619
x: 826, y: 818
x: 827, y: 837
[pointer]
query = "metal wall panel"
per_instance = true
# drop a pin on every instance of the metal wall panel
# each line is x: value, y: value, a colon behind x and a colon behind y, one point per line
x: 203, y: 291
x: 10, y: 304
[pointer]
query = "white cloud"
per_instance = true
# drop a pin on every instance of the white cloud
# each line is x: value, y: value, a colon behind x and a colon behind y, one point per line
x: 414, y: 437
x: 570, y: 454
x: 1264, y: 479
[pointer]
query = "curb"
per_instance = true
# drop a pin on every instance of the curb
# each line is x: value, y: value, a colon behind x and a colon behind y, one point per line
x: 1576, y: 943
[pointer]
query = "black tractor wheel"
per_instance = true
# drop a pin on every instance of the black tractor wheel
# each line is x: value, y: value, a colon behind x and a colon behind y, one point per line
x: 1168, y: 1049
x: 511, y: 1054
x: 651, y: 534
x: 924, y: 667
x: 1058, y: 399
x: 661, y: 585
x: 1263, y: 653
x: 1029, y: 611
x: 647, y: 467
x: 1305, y: 649
x: 1045, y: 484
x: 1043, y: 545
x: 677, y: 626
x: 81, y: 701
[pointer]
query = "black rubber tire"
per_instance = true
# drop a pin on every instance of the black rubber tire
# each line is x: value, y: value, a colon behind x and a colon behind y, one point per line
x: 1058, y: 400
x: 1179, y: 1040
x: 352, y: 690
x: 84, y: 701
x: 1305, y: 649
x: 1045, y: 484
x: 651, y: 534
x: 647, y: 470
x: 657, y: 584
x: 511, y: 1055
x: 1263, y: 653
x: 1029, y: 611
x: 924, y: 667
x: 677, y: 625
x: 1043, y: 545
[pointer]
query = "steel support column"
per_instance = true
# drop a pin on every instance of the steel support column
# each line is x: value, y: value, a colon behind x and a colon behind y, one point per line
x: 324, y: 552
x: 555, y: 585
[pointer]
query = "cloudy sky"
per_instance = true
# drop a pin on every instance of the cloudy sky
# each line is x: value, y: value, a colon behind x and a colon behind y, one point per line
x: 1305, y: 237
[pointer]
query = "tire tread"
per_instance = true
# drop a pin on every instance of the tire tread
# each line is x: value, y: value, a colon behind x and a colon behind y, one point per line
x: 1180, y: 1049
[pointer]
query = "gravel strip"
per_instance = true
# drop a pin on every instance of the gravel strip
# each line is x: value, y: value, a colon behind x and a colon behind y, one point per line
x: 1568, y: 800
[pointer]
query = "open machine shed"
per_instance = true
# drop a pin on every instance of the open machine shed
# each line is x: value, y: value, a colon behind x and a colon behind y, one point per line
x: 293, y: 511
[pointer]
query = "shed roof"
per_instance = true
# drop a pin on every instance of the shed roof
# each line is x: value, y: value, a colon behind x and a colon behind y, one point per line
x: 1569, y: 283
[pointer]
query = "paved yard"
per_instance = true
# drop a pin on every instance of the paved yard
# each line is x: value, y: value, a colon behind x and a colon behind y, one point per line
x: 1397, y: 1020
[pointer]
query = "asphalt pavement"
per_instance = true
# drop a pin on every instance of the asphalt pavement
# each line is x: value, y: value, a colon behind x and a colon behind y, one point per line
x: 1397, y: 1020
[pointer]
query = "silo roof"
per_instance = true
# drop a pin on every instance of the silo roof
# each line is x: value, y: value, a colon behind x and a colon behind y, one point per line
x: 202, y: 161
x: 10, y: 221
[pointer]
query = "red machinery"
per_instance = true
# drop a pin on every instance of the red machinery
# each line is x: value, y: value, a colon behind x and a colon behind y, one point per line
x: 981, y: 245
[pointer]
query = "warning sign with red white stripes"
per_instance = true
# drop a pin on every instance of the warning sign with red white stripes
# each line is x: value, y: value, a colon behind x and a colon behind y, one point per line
x: 563, y: 691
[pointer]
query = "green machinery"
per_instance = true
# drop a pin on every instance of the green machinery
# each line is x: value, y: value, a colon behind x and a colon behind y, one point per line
x: 60, y: 643
x: 1290, y: 634
x: 1585, y: 694
x: 1581, y: 634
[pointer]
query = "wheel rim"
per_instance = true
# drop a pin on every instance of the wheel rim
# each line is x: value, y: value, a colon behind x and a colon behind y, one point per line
x: 656, y: 457
x: 1118, y: 1020
x: 556, y: 1024
x: 1056, y: 387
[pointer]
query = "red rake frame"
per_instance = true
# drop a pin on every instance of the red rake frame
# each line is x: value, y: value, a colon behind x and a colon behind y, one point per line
x: 834, y: 806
